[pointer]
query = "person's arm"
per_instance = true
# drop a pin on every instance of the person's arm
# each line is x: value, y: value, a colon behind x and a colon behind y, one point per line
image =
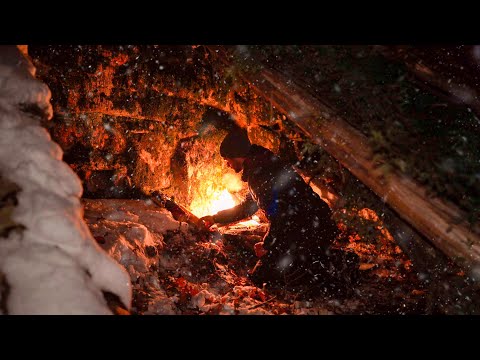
x: 245, y: 209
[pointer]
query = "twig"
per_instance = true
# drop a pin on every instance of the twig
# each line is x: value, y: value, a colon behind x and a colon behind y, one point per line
x: 263, y: 303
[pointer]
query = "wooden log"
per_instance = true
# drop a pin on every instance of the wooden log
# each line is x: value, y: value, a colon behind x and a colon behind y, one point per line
x: 440, y: 221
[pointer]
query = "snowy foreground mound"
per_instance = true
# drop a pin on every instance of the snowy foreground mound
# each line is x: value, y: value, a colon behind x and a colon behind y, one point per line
x: 49, y: 261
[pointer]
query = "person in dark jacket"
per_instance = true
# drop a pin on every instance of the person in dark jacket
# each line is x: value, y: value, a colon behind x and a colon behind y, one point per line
x: 297, y: 247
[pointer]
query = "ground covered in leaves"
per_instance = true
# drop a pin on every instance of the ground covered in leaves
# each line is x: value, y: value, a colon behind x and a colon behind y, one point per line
x: 177, y: 271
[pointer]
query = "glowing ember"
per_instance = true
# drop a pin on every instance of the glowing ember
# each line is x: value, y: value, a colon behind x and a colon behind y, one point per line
x: 368, y: 214
x: 220, y: 200
x: 371, y: 215
x: 254, y: 221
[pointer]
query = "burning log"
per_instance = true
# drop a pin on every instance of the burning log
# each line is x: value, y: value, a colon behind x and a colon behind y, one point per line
x: 179, y: 212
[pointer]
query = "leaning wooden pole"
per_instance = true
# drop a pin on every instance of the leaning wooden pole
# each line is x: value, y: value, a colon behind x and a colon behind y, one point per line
x: 441, y: 222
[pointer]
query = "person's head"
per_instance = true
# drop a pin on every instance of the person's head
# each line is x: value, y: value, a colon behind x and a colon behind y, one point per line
x: 235, y: 148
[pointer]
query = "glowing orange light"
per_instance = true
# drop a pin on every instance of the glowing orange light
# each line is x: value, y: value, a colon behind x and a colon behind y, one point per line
x: 254, y: 221
x: 218, y: 201
x: 221, y: 202
x: 213, y: 193
x: 371, y: 215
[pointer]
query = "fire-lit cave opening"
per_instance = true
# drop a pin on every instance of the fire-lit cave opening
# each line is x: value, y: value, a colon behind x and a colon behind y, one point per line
x: 136, y: 120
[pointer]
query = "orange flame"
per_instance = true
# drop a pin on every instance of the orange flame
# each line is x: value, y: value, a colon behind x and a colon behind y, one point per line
x: 213, y: 193
x: 220, y: 200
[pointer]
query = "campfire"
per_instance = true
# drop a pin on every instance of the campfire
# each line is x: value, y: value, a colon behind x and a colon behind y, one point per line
x: 213, y: 203
x: 221, y: 194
